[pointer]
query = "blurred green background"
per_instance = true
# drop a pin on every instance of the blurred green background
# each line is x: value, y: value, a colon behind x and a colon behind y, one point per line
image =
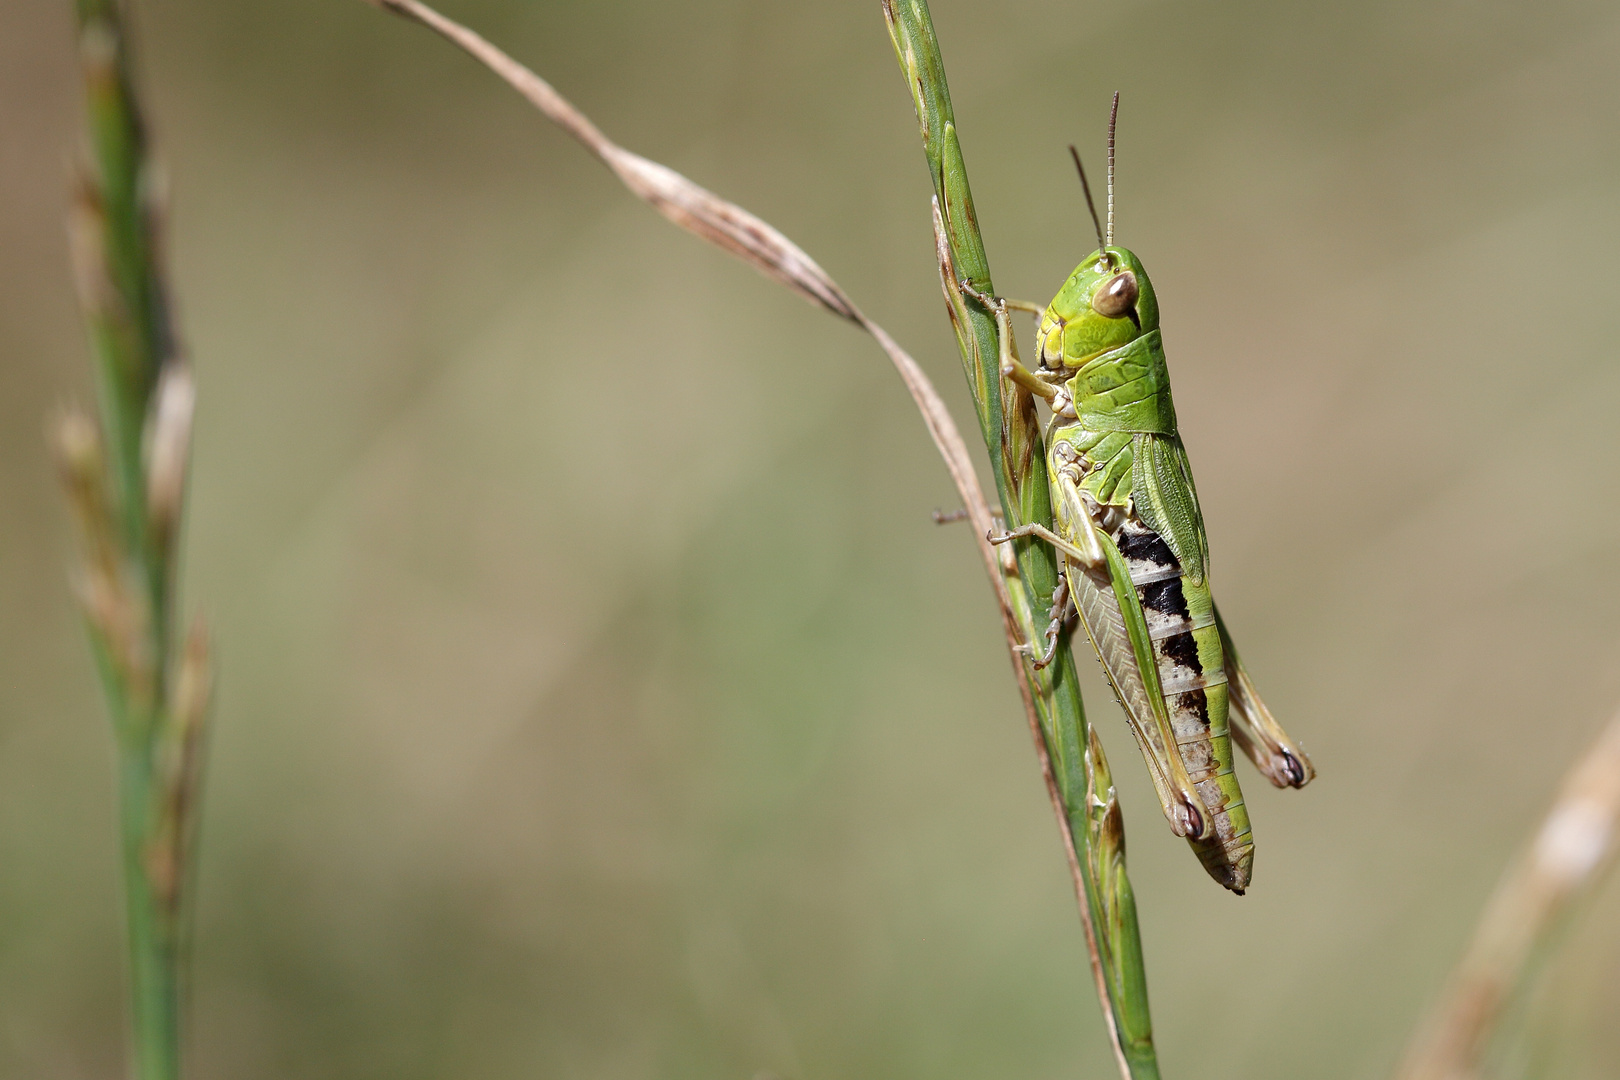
x: 570, y: 732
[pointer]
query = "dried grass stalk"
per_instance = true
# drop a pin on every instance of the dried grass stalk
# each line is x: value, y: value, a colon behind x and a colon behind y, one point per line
x: 1563, y: 864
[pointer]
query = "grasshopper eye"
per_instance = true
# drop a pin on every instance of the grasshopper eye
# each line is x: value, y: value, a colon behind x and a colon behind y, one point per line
x: 1116, y: 299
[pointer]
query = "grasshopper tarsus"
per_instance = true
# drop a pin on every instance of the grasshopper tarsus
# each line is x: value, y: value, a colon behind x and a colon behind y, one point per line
x: 1295, y: 770
x: 986, y: 301
x: 1062, y: 611
x: 950, y: 517
x: 1189, y: 821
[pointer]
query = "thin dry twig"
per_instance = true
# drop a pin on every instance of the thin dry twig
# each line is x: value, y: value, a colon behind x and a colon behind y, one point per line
x: 1564, y: 862
x: 735, y: 230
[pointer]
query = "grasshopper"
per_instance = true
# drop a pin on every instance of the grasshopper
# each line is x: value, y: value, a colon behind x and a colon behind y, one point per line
x: 1135, y: 557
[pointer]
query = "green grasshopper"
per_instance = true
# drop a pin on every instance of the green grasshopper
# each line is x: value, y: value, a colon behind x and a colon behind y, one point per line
x: 1136, y: 560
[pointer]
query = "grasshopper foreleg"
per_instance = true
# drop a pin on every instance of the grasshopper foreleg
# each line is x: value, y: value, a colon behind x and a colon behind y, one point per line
x: 994, y: 303
x: 1011, y: 367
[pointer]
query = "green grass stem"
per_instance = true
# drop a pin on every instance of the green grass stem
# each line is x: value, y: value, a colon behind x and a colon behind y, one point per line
x: 126, y: 481
x: 1010, y: 426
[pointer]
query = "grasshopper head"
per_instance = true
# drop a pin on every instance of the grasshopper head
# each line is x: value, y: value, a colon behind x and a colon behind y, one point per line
x: 1107, y: 302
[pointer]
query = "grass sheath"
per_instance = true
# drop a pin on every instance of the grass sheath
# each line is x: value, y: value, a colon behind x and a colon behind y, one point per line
x: 1072, y: 766
x: 126, y: 477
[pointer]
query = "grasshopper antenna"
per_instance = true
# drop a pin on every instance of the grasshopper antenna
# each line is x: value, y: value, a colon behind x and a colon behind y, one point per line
x: 1085, y: 185
x: 1113, y: 118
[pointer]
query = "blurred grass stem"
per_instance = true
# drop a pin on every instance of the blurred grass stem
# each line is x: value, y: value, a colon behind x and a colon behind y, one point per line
x: 1563, y: 865
x: 126, y: 481
x: 1081, y: 794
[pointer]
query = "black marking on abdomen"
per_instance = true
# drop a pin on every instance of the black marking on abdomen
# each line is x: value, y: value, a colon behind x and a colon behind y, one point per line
x: 1147, y: 546
x: 1165, y: 597
x: 1189, y: 719
x: 1183, y: 650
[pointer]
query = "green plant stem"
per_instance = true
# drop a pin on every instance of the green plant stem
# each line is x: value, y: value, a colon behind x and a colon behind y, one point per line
x: 126, y: 481
x: 1009, y: 424
x: 153, y: 929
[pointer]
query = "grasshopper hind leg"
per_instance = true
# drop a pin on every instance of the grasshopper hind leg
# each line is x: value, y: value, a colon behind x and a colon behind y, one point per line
x: 1063, y: 611
x: 1257, y: 733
